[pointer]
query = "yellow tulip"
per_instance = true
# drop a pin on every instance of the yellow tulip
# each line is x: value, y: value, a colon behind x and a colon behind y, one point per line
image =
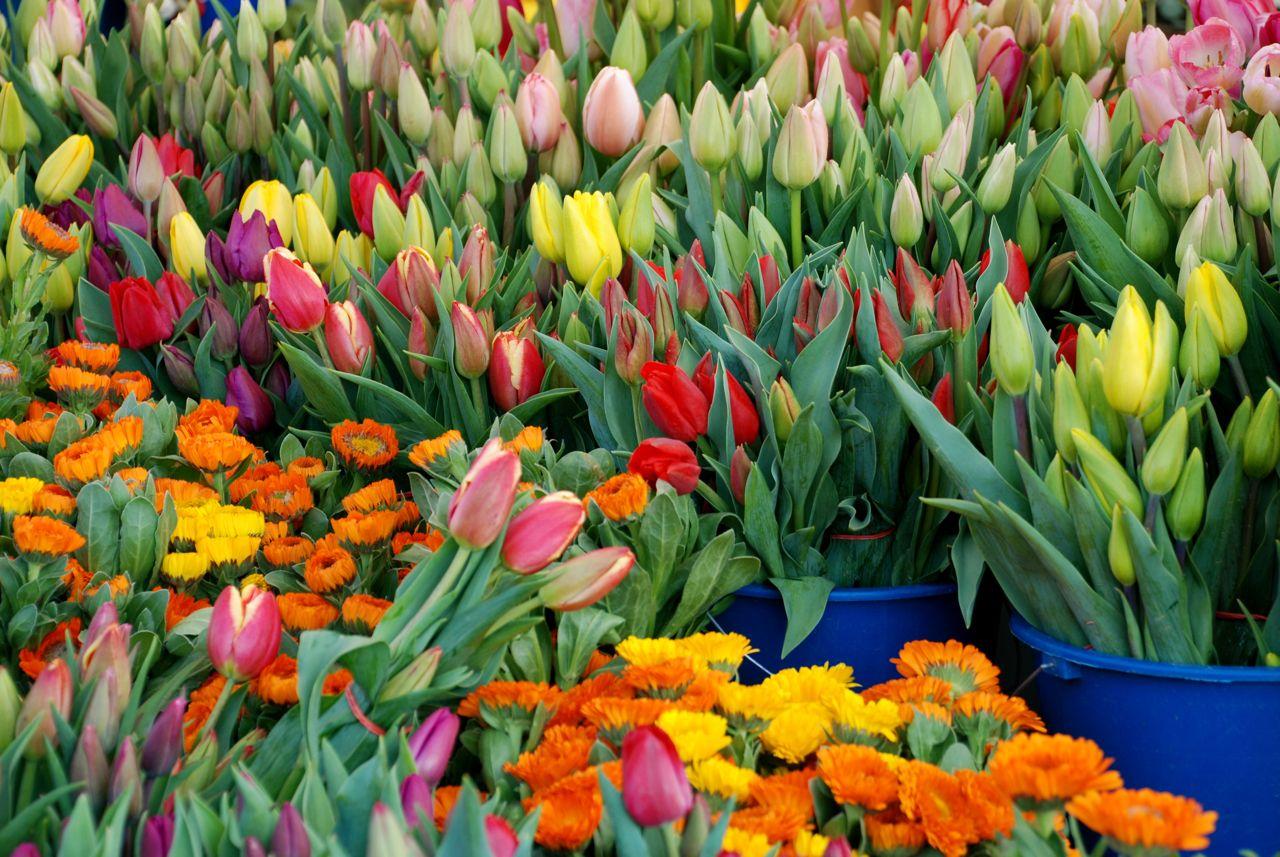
x: 591, y: 248
x: 186, y: 246
x: 546, y: 221
x: 418, y: 228
x: 1139, y: 356
x: 1209, y: 290
x: 275, y: 202
x: 64, y: 171
x: 312, y: 240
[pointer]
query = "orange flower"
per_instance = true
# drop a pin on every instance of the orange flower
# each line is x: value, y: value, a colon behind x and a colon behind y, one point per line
x: 571, y: 809
x: 117, y: 586
x: 274, y: 531
x: 616, y: 716
x: 364, y: 610
x: 10, y: 376
x: 666, y: 679
x: 620, y: 497
x: 564, y: 750
x: 94, y: 356
x: 7, y: 426
x: 75, y: 578
x: 184, y: 493
x: 858, y: 776
x: 209, y: 417
x: 775, y: 822
x: 243, y: 486
x: 83, y: 461
x: 425, y: 452
x: 365, y: 530
x: 893, y: 833
x: 45, y: 236
x: 1012, y: 710
x: 277, y: 684
x: 36, y: 432
x: 306, y: 467
x: 962, y: 666
x: 305, y: 611
x: 1144, y: 818
x: 32, y: 661
x: 288, y: 550
x: 956, y: 811
x: 329, y: 569
x: 789, y: 788
x: 528, y: 438
x: 134, y: 478
x: 704, y: 691
x: 509, y: 696
x: 125, y: 384
x: 569, y: 711
x: 216, y: 451
x: 54, y: 500
x: 81, y: 390
x: 121, y: 436
x: 46, y: 537
x: 443, y: 802
x: 372, y: 497
x: 430, y: 540
x: 199, y: 707
x: 284, y: 496
x: 180, y: 606
x: 38, y: 410
x: 366, y: 445
x: 1051, y: 767
x: 336, y: 682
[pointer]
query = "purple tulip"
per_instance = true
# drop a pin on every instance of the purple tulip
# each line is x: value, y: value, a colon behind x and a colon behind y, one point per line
x: 432, y: 744
x: 163, y: 746
x: 89, y: 765
x: 102, y: 272
x: 69, y: 213
x: 157, y: 836
x: 415, y: 800
x: 126, y: 777
x: 253, y: 848
x: 290, y: 838
x: 226, y: 334
x: 247, y: 242
x: 255, y: 409
x: 26, y: 849
x: 277, y: 380
x: 181, y: 370
x: 215, y: 251
x: 256, y: 344
x: 112, y: 207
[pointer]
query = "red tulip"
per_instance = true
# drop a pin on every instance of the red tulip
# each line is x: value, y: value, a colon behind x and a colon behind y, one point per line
x: 1067, y: 345
x: 891, y: 342
x: 655, y: 787
x: 422, y: 340
x: 542, y: 531
x: 692, y: 295
x: 470, y: 341
x: 633, y: 348
x: 297, y: 296
x: 476, y: 264
x: 669, y: 460
x: 244, y: 632
x: 139, y: 313
x: 1017, y: 280
x: 588, y: 577
x: 944, y: 399
x: 175, y: 294
x: 362, y: 186
x: 742, y: 411
x: 955, y: 304
x: 174, y: 158
x: 770, y: 279
x: 348, y: 336
x: 674, y: 403
x: 411, y: 282
x: 915, y: 290
x: 480, y: 506
x: 515, y: 369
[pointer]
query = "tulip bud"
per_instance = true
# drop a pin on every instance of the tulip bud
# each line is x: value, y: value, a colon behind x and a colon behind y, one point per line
x: 458, y: 45
x: 180, y: 370
x: 126, y: 777
x: 1261, y: 448
x: 480, y: 506
x: 921, y: 128
x: 655, y: 787
x: 146, y: 174
x: 151, y: 45
x: 244, y: 632
x: 413, y: 108
x: 783, y: 407
x: 1185, y: 508
x: 89, y: 765
x: 585, y: 579
x: 13, y: 122
x: 471, y: 342
x: 750, y: 152
x: 787, y: 80
x: 1059, y: 169
x: 711, y: 138
x: 1145, y: 230
x: 348, y: 337
x: 1198, y: 356
x: 422, y: 28
x: 1182, y: 181
x: 1107, y: 478
x: 997, y: 182
x: 64, y: 170
x: 1069, y: 411
x: 612, y: 116
x: 542, y: 531
x: 1012, y: 360
x: 506, y: 147
x: 801, y: 149
x: 636, y: 226
x: 1118, y: 554
x: 1209, y: 291
x: 187, y: 247
x: 906, y: 218
x: 163, y: 746
x: 1027, y: 231
x: 49, y: 696
x: 1164, y: 459
x: 1252, y: 183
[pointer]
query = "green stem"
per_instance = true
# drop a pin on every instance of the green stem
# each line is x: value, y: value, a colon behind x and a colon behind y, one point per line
x: 886, y: 22
x: 797, y: 241
x: 959, y: 379
x: 699, y: 60
x: 322, y: 346
x: 637, y: 408
x: 1237, y: 374
x: 1137, y: 439
x: 717, y: 192
x: 478, y: 398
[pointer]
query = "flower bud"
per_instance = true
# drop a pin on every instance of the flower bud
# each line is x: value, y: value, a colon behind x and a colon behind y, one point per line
x: 64, y: 170
x: 1185, y: 508
x: 458, y: 46
x: 612, y: 116
x: 801, y: 149
x: 1069, y: 411
x: 750, y: 152
x: 921, y: 127
x: 711, y: 137
x: 997, y: 182
x: 629, y: 52
x: 1198, y: 356
x: 1146, y: 232
x: 1182, y: 181
x: 506, y: 147
x: 906, y: 218
x: 422, y: 28
x: 1164, y: 459
x: 1209, y: 291
x: 471, y: 341
x: 13, y: 121
x: 146, y: 173
x: 1261, y: 449
x: 413, y: 108
x: 783, y: 407
x: 636, y: 225
x: 1252, y: 183
x: 585, y: 579
x: 1012, y: 360
x: 1059, y: 169
x: 538, y: 112
x: 1119, y: 555
x: 893, y: 88
x: 1106, y: 477
x: 49, y: 697
x: 787, y: 79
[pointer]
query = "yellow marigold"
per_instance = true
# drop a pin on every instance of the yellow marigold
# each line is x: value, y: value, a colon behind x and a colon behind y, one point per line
x: 1011, y: 710
x: 45, y: 236
x: 799, y: 730
x: 1143, y: 818
x: 811, y: 684
x: 962, y: 666
x: 614, y: 717
x: 620, y: 497
x: 719, y: 650
x: 427, y: 452
x: 719, y: 776
x: 47, y: 537
x: 745, y: 704
x: 745, y: 843
x: 277, y: 684
x: 100, y: 357
x: 366, y: 445
x: 228, y: 550
x: 696, y: 734
x: 372, y: 497
x: 184, y: 567
x: 287, y: 551
x: 329, y: 569
x: 305, y: 611
x: 193, y: 521
x: 648, y: 652
x: 364, y: 610
x: 18, y: 494
x: 217, y: 451
x: 529, y: 438
x: 808, y: 844
x: 308, y: 467
x: 365, y: 529
x: 229, y: 521
x: 83, y: 461
x: 858, y: 776
x: 563, y: 750
x: 257, y: 580
x: 1051, y: 768
x: 507, y: 696
x: 851, y: 714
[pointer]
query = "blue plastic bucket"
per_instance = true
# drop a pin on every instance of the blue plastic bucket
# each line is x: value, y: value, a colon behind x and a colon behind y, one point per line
x: 864, y: 628
x: 1209, y: 733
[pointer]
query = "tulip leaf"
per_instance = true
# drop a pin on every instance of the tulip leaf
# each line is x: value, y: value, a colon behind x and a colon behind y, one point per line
x: 579, y: 634
x: 1100, y: 189
x: 1025, y: 174
x: 95, y: 309
x: 589, y: 380
x: 969, y: 565
x: 654, y: 80
x: 1217, y: 549
x: 805, y: 600
x: 628, y: 837
x: 142, y: 258
x: 1163, y: 594
x: 464, y: 835
x: 322, y: 388
x: 814, y: 372
x: 760, y: 521
x: 412, y: 417
x: 319, y: 653
x: 710, y: 581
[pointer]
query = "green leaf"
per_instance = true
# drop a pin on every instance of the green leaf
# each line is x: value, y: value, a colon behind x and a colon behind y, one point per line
x: 654, y: 80
x: 969, y: 565
x: 142, y: 258
x: 138, y: 521
x: 323, y: 390
x: 760, y: 521
x: 805, y: 600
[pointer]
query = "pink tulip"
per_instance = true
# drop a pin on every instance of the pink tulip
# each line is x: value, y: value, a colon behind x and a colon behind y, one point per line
x: 411, y: 282
x: 470, y: 341
x: 944, y: 17
x: 855, y: 83
x: 432, y: 743
x: 574, y: 18
x: 480, y: 506
x: 1262, y: 81
x: 50, y: 693
x: 1146, y: 51
x: 818, y: 122
x: 422, y: 340
x: 542, y: 531
x: 612, y: 117
x: 66, y: 25
x: 476, y: 264
x: 911, y: 62
x: 1000, y: 58
x: 297, y: 296
x: 1161, y: 97
x: 585, y: 579
x: 515, y: 369
x: 655, y: 787
x: 1241, y: 15
x: 1210, y: 55
x: 1199, y: 108
x: 348, y: 336
x: 1268, y: 29
x: 501, y: 838
x: 538, y: 113
x: 244, y: 632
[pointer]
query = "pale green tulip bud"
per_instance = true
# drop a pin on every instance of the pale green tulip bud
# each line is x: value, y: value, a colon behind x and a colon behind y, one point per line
x: 893, y: 88
x: 997, y: 182
x: 486, y: 25
x: 458, y: 47
x: 332, y: 20
x: 953, y: 151
x: 182, y: 51
x: 711, y: 137
x: 1266, y: 137
x: 251, y: 38
x: 831, y: 187
x: 921, y: 127
x: 488, y: 78
x: 1076, y: 101
x: 13, y: 121
x: 440, y: 139
x: 564, y: 162
x: 1060, y: 169
x: 388, y: 224
x: 419, y: 231
x: 636, y: 225
x: 413, y: 108
x: 1182, y: 181
x: 1166, y: 456
x: 1119, y: 556
x: 506, y: 147
x: 1146, y: 232
x: 239, y: 127
x: 1185, y: 509
x: 1081, y: 46
x: 906, y: 217
x: 261, y: 124
x: 1096, y: 133
x: 957, y: 74
x: 1028, y: 232
x: 1218, y: 238
x: 481, y: 182
x: 657, y: 14
x: 466, y: 133
x: 1012, y: 361
x: 863, y: 56
x: 1069, y: 411
x: 788, y: 80
x: 1252, y: 183
x: 801, y: 150
x: 272, y: 15
x: 151, y: 46
x: 760, y: 43
x: 629, y: 51
x: 764, y: 237
x: 100, y: 118
x: 750, y: 152
x: 1261, y: 449
x: 1126, y: 124
x: 422, y: 28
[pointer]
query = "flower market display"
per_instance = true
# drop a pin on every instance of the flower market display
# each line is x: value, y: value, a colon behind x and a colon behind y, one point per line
x: 399, y: 403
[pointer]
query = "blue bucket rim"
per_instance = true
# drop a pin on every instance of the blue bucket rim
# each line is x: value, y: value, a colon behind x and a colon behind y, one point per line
x: 1045, y: 644
x: 858, y: 593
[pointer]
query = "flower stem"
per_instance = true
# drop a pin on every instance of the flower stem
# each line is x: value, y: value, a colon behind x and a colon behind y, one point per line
x: 1237, y: 373
x: 797, y: 242
x: 1137, y: 439
x: 1023, y: 426
x: 717, y: 192
x: 706, y: 492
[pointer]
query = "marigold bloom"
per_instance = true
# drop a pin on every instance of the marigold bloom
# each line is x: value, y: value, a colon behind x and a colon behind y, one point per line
x: 620, y: 497
x: 184, y: 493
x: 776, y: 822
x: 892, y: 832
x: 54, y: 500
x: 216, y: 451
x: 723, y: 651
x: 229, y: 521
x: 36, y: 432
x: 427, y: 452
x: 564, y: 750
x: 529, y: 438
x: 284, y: 496
x: 288, y: 550
x: 102, y: 357
x: 956, y: 810
x: 180, y: 606
x: 748, y: 705
x: 365, y: 445
x: 571, y: 808
x: 431, y: 540
x: 228, y: 550
x: 305, y: 611
x: 963, y: 666
x: 799, y: 730
x: 745, y: 843
x: 854, y: 719
x: 665, y: 680
x: 32, y: 661
x: 121, y: 436
x: 509, y: 696
x: 697, y: 735
x: 45, y: 537
x: 76, y: 579
x: 184, y: 567
x: 858, y: 776
x: 1011, y: 710
x: 277, y: 684
x: 329, y: 569
x: 364, y: 610
x: 307, y: 467
x: 1051, y: 768
x: 1144, y: 818
x: 818, y: 684
x: 82, y: 462
x: 209, y: 417
x: 719, y: 776
x: 651, y: 651
x: 199, y: 709
x: 365, y: 530
x: 18, y: 493
x: 614, y: 717
x: 125, y: 384
x: 45, y: 236
x: 372, y: 497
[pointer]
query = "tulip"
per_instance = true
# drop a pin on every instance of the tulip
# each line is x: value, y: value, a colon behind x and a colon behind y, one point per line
x: 1146, y: 50
x: 784, y: 408
x: 348, y: 337
x: 422, y: 339
x: 672, y: 461
x: 50, y: 695
x: 297, y: 296
x: 1209, y: 55
x: 244, y: 632
x: 111, y: 206
x: 1000, y: 58
x: 1243, y: 16
x: 388, y: 223
x: 139, y: 314
x: 180, y: 369
x: 157, y: 836
x: 1213, y: 296
x: 546, y: 221
x: 1261, y: 83
x: 662, y: 129
x: 692, y: 295
x: 996, y: 184
x: 313, y: 239
x: 186, y: 246
x: 1185, y: 509
x: 887, y: 331
x: 801, y: 150
x: 542, y: 531
x: 1139, y: 356
x: 538, y: 113
x: 516, y: 369
x: 163, y: 745
x: 476, y: 265
x: 591, y: 248
x: 921, y: 128
x: 362, y: 187
x: 742, y: 411
x: 906, y: 217
x: 1261, y: 448
x: 1012, y: 360
x: 1164, y: 459
x: 675, y: 404
x: 13, y: 121
x: 1161, y: 97
x: 1107, y: 478
x: 612, y: 116
x: 585, y: 579
x: 787, y: 80
x: 500, y: 837
x: 255, y: 340
x: 1119, y: 555
x: 64, y: 170
x: 411, y: 282
x: 655, y: 788
x: 89, y: 765
x: 415, y: 801
x: 290, y: 838
x: 10, y: 705
x: 480, y: 506
x: 256, y: 412
x: 711, y: 138
x: 633, y: 347
x: 636, y: 223
x: 740, y: 466
x: 470, y: 341
x: 273, y: 200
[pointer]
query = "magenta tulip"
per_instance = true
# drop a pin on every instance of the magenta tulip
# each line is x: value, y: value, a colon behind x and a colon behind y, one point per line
x: 244, y: 632
x: 655, y: 788
x: 500, y: 836
x: 431, y: 744
x: 542, y: 531
x: 297, y: 296
x: 480, y: 506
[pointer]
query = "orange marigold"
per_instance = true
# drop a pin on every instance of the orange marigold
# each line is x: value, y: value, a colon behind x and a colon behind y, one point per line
x: 46, y: 537
x: 199, y: 707
x: 956, y: 810
x: 564, y: 750
x: 620, y: 497
x: 45, y: 236
x: 1144, y: 818
x: 83, y: 461
x: 666, y: 679
x: 569, y: 710
x: 305, y: 611
x: 121, y: 436
x: 184, y: 493
x: 307, y: 467
x: 431, y: 540
x: 372, y: 497
x: 1012, y: 710
x: 892, y: 832
x: 858, y: 776
x: 509, y: 696
x: 284, y: 496
x: 365, y: 445
x: 100, y: 357
x: 288, y: 550
x: 775, y: 822
x: 209, y: 417
x: 1051, y: 767
x: 87, y: 388
x: 962, y: 666
x: 443, y: 801
x: 179, y: 607
x: 425, y: 452
x: 125, y: 384
x: 36, y: 432
x: 216, y: 451
x: 614, y: 716
x: 528, y: 438
x: 336, y: 682
x: 277, y: 684
x: 704, y: 691
x: 76, y: 579
x: 571, y: 808
x: 365, y: 529
x: 54, y: 500
x: 32, y: 661
x: 329, y: 569
x: 364, y: 610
